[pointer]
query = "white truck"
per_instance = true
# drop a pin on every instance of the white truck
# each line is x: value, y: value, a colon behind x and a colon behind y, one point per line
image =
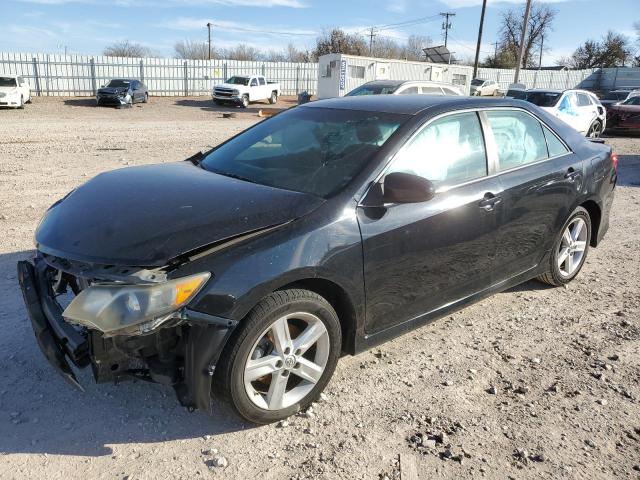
x: 241, y: 89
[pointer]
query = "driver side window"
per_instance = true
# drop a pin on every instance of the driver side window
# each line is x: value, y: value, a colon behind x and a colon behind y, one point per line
x: 448, y: 152
x: 254, y: 82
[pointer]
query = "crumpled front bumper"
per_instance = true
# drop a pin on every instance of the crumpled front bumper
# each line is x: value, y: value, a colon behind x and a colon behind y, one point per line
x: 58, y: 340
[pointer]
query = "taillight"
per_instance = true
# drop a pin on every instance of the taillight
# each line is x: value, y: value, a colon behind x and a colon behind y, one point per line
x: 614, y: 160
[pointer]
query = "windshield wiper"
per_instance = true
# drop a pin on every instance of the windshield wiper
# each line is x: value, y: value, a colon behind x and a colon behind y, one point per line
x: 236, y: 176
x: 196, y: 159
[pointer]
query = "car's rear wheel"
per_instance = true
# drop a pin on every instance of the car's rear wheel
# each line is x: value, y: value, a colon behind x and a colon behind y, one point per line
x: 595, y: 130
x: 273, y: 98
x: 146, y: 98
x: 281, y: 356
x: 570, y: 249
x: 21, y: 102
x: 245, y: 101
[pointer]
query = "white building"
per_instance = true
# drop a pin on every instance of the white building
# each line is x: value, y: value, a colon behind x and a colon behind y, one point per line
x: 338, y: 73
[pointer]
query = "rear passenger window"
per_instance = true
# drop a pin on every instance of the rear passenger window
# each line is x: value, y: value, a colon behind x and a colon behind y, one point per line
x: 262, y: 81
x: 432, y: 90
x: 410, y: 91
x: 519, y: 138
x: 555, y: 146
x: 448, y: 152
x: 583, y: 100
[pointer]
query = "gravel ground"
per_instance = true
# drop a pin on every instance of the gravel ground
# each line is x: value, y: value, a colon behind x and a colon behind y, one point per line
x: 535, y: 382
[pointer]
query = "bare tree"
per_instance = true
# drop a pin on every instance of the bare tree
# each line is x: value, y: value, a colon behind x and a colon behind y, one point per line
x: 242, y: 52
x: 539, y: 24
x: 337, y: 41
x: 294, y: 54
x: 125, y: 48
x: 414, y: 48
x: 613, y: 50
x: 386, y: 47
x: 190, y: 50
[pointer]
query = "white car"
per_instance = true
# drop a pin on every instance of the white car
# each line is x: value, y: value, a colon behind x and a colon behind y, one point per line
x: 241, y: 90
x: 580, y: 109
x: 484, y: 88
x: 14, y: 91
x: 405, y: 87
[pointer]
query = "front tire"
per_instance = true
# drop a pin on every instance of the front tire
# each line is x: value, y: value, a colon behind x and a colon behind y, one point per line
x: 245, y: 101
x: 146, y: 98
x: 21, y: 106
x: 570, y: 249
x: 281, y: 356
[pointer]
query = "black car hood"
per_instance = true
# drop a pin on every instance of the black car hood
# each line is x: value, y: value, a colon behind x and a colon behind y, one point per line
x: 146, y: 216
x: 113, y: 90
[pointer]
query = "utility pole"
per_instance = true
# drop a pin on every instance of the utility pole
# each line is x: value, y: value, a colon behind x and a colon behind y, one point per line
x: 495, y: 49
x: 522, y: 37
x: 209, y: 29
x: 541, y: 45
x: 446, y: 25
x: 475, y: 63
x: 371, y: 35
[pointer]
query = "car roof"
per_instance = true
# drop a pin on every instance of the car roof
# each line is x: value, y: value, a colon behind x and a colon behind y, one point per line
x: 408, y: 104
x: 123, y: 79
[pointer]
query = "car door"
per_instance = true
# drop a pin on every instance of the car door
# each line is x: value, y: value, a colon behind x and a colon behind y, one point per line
x: 540, y: 179
x: 419, y: 257
x: 264, y: 93
x: 587, y: 110
x: 254, y: 90
x: 568, y: 111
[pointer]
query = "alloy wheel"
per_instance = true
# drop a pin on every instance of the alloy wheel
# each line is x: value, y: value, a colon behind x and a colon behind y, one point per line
x: 286, y: 361
x: 572, y: 247
x: 596, y: 130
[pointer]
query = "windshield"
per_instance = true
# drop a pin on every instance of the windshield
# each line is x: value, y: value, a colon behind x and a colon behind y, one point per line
x: 543, y: 99
x: 476, y: 82
x: 372, y: 90
x: 118, y: 83
x: 8, y: 82
x: 311, y: 150
x: 238, y: 81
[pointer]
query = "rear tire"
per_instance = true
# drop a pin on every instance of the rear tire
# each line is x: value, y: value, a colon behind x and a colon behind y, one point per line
x: 21, y: 106
x: 569, y: 250
x: 146, y: 98
x: 300, y: 361
x: 273, y: 98
x: 595, y: 130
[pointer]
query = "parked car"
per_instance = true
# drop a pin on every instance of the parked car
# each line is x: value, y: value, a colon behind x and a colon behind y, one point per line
x: 405, y: 87
x: 624, y: 117
x: 484, y: 88
x: 245, y: 89
x: 122, y: 91
x: 329, y: 228
x: 14, y: 91
x: 517, y: 91
x: 579, y: 108
x: 619, y: 96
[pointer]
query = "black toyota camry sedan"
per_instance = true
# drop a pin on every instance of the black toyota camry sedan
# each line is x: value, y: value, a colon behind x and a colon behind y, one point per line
x: 122, y: 92
x: 246, y: 271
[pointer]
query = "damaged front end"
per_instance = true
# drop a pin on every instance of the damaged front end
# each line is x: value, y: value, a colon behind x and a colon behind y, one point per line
x: 125, y: 322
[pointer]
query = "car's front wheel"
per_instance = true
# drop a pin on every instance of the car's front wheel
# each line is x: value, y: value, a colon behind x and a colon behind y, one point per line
x: 570, y: 249
x: 281, y: 356
x: 245, y: 101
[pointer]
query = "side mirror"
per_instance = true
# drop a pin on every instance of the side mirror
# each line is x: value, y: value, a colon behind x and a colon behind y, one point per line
x: 400, y: 187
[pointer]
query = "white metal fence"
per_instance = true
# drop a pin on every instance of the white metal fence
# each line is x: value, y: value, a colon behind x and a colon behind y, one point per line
x: 81, y: 75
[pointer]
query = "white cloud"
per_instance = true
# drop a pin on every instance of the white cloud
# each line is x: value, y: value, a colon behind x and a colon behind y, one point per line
x: 191, y: 23
x: 178, y: 3
x: 477, y: 3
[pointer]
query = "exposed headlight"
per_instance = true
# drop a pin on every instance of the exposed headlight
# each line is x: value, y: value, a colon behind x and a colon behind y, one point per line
x: 132, y: 309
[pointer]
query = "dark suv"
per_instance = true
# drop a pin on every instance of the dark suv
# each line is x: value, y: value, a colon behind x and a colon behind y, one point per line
x: 120, y: 92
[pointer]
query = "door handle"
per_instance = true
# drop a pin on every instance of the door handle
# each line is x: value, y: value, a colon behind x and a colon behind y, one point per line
x: 571, y: 174
x: 489, y: 201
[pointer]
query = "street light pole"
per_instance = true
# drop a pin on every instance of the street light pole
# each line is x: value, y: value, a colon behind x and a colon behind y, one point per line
x: 522, y: 37
x: 209, y: 29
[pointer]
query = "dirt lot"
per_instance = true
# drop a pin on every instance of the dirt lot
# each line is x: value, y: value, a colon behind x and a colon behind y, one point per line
x: 535, y: 382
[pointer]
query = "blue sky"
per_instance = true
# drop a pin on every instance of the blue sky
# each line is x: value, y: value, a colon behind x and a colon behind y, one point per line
x: 86, y: 26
